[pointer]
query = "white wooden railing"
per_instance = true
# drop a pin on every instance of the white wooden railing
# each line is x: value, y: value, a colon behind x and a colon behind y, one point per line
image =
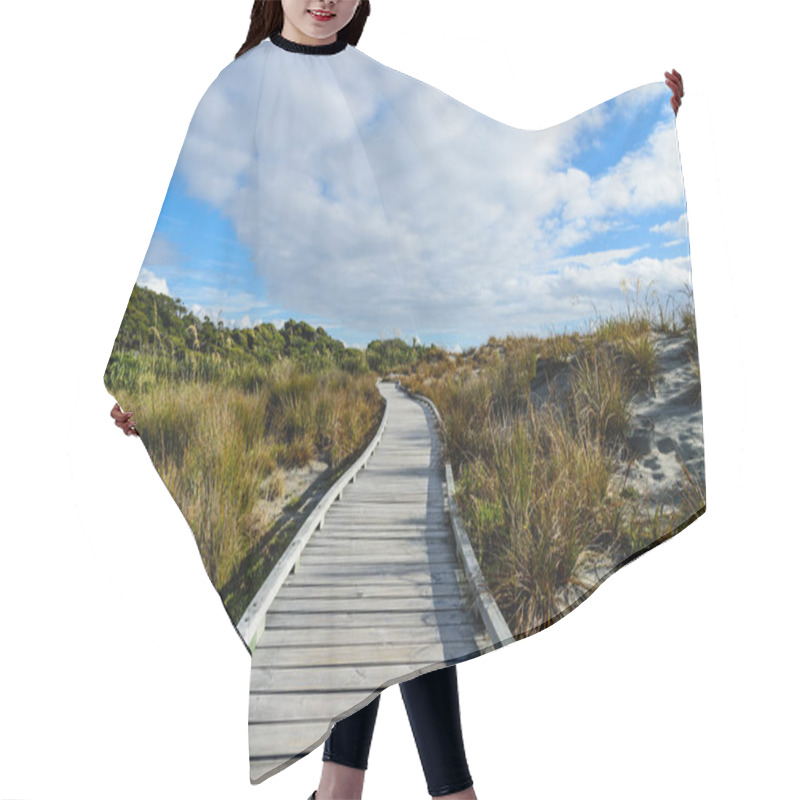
x: 251, y: 625
x: 483, y: 605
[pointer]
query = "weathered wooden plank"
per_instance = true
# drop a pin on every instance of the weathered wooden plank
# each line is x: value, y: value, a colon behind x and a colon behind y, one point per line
x: 381, y: 619
x: 332, y: 679
x: 276, y: 738
x: 410, y: 548
x: 403, y: 587
x: 361, y: 655
x: 436, y: 534
x: 299, y: 706
x: 362, y: 575
x: 359, y: 574
x: 318, y: 605
x: 323, y: 559
x: 379, y: 516
x: 379, y: 546
x: 381, y: 513
x: 380, y: 503
x: 379, y: 492
x: 385, y: 504
x: 373, y: 591
x: 343, y: 637
x: 365, y: 531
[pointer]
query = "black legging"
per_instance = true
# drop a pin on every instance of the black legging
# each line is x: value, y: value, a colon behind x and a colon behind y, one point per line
x: 433, y: 711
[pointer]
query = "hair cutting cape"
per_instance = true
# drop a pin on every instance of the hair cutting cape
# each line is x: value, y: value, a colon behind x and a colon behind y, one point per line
x: 419, y: 381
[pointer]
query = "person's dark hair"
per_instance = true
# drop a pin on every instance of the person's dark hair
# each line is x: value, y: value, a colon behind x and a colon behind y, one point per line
x: 266, y: 18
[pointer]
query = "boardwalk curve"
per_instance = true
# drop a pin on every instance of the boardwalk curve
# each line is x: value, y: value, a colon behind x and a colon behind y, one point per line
x: 373, y: 595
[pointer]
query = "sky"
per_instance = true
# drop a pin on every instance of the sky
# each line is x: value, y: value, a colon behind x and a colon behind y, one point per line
x: 336, y: 190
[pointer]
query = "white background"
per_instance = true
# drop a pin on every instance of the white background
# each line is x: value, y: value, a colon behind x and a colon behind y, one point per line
x: 121, y: 674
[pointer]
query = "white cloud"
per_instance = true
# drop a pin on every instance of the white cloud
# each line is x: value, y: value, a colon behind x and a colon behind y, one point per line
x: 151, y: 281
x: 629, y: 103
x: 201, y: 312
x: 161, y: 252
x: 379, y: 203
x: 677, y: 227
x: 644, y: 179
x: 600, y: 258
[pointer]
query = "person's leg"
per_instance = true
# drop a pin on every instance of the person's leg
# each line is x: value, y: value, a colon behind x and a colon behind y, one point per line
x: 346, y: 753
x: 434, y: 713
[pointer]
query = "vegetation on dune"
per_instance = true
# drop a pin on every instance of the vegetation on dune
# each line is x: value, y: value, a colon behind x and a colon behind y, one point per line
x: 535, y: 429
x: 537, y: 481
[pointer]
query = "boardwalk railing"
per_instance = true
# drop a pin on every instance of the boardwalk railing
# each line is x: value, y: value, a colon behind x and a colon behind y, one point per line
x: 483, y: 605
x: 251, y: 625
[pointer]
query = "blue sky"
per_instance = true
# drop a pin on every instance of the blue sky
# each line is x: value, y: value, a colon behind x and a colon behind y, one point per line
x: 342, y: 192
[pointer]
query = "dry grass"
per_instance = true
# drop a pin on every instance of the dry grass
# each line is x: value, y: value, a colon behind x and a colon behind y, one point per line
x: 537, y: 486
x: 215, y: 445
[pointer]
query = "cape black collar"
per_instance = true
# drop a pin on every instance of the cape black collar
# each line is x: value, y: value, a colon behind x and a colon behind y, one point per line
x: 310, y: 49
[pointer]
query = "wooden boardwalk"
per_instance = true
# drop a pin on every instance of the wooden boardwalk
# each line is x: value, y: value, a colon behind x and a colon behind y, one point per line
x: 377, y: 594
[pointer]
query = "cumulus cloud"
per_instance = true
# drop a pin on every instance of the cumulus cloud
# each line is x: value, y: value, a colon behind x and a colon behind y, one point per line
x: 674, y: 227
x: 149, y: 280
x: 377, y: 202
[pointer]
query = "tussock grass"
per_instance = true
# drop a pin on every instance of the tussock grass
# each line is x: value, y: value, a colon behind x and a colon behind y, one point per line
x: 600, y: 394
x: 221, y: 445
x: 537, y: 485
x: 536, y: 482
